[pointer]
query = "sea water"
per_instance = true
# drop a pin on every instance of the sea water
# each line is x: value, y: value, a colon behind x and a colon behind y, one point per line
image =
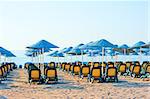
x: 21, y: 58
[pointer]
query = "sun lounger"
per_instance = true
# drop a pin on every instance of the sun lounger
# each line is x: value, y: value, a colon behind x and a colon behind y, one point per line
x: 85, y: 71
x: 52, y: 65
x: 111, y: 74
x: 128, y: 64
x: 118, y: 63
x: 146, y: 71
x: 122, y: 69
x: 144, y: 65
x: 63, y: 65
x: 148, y: 68
x: 34, y: 73
x: 95, y: 74
x: 96, y: 64
x: 50, y: 74
x: 76, y: 69
x: 135, y: 71
x: 67, y: 67
x: 1, y: 74
x: 110, y: 64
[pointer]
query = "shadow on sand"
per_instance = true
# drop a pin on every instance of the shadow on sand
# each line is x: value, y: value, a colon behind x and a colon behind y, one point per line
x: 63, y: 84
x: 126, y: 84
x: 3, y: 97
x: 5, y: 83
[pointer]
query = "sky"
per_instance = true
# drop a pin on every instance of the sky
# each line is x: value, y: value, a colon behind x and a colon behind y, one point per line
x: 68, y: 23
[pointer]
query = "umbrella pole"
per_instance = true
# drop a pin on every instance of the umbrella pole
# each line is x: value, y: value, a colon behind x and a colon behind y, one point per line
x: 35, y: 59
x: 124, y: 53
x: 58, y: 60
x: 115, y: 59
x: 39, y: 59
x: 92, y: 58
x: 82, y: 57
x: 0, y: 57
x: 43, y: 56
x: 76, y: 58
x: 102, y: 59
x: 148, y: 54
x: 71, y: 59
x: 32, y: 58
x: 5, y: 59
x: 64, y: 58
x: 140, y: 55
x: 99, y: 56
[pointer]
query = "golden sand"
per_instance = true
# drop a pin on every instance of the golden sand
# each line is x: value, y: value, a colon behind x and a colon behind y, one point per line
x: 72, y: 87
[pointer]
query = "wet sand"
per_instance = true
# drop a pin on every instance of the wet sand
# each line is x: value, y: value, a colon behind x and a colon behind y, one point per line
x: 71, y: 87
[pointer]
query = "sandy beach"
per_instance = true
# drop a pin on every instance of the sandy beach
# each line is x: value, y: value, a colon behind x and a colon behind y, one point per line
x: 69, y: 87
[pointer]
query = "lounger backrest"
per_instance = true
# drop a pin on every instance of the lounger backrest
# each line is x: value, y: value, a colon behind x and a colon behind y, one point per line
x: 1, y: 72
x: 148, y: 68
x: 85, y: 70
x: 144, y: 65
x: 3, y: 69
x: 6, y: 66
x: 9, y: 67
x: 96, y: 64
x: 136, y: 69
x: 67, y: 67
x: 35, y: 74
x: 51, y: 73
x: 96, y: 72
x: 137, y: 63
x: 118, y: 63
x: 52, y: 65
x: 111, y: 72
x: 111, y: 65
x: 122, y: 68
x: 90, y: 64
x: 128, y: 64
x: 63, y: 66
x: 76, y: 68
x: 131, y: 67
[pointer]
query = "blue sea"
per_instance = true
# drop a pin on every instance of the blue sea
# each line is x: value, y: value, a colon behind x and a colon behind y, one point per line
x: 21, y: 58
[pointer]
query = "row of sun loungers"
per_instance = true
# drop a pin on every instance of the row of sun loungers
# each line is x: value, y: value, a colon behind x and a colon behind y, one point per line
x: 101, y: 71
x: 5, y: 70
x: 91, y: 71
x: 105, y: 72
x: 35, y: 74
